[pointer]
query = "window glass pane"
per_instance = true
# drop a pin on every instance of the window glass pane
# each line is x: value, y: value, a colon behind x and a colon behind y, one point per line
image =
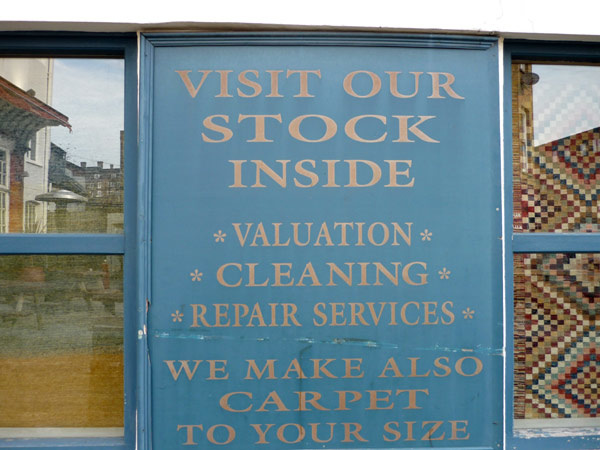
x: 556, y: 338
x: 556, y: 148
x: 61, y: 144
x: 61, y: 334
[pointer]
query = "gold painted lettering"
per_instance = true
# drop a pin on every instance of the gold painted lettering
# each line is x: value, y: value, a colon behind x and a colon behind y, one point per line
x: 346, y: 278
x: 189, y: 433
x: 237, y: 173
x: 394, y: 84
x: 314, y: 434
x: 274, y: 74
x: 391, y: 365
x: 216, y: 367
x: 399, y: 231
x: 392, y: 428
x: 422, y: 276
x: 273, y: 399
x: 309, y: 272
x: 259, y: 125
x: 459, y: 366
x: 436, y: 86
x: 323, y: 234
x: 221, y: 278
x: 403, y: 313
x: 412, y: 397
x: 439, y: 363
x: 331, y: 172
x: 303, y: 74
x: 297, y: 242
x: 381, y: 269
x: 183, y: 364
x: 352, y: 167
x: 300, y: 170
x: 394, y: 173
x: 350, y: 129
x: 375, y: 84
x: 224, y: 78
x: 185, y: 77
x: 343, y: 401
x: 294, y: 367
x: 211, y: 125
x: 455, y: 430
x: 289, y: 313
x: 352, y: 429
x: 261, y: 433
x: 269, y: 367
x: 435, y: 424
x: 403, y: 129
x: 413, y: 368
x: 313, y: 401
x: 262, y: 167
x: 224, y: 401
x: 374, y: 399
x: 352, y: 365
x: 261, y: 234
x: 330, y: 128
x: 298, y: 427
x: 243, y: 79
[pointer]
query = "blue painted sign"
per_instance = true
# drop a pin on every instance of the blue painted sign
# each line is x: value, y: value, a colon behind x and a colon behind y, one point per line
x: 325, y: 242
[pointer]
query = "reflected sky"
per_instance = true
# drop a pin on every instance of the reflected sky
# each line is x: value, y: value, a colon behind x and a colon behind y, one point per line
x: 90, y: 93
x: 566, y: 101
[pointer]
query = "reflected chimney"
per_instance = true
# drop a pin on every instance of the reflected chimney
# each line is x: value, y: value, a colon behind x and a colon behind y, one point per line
x: 83, y: 164
x: 100, y: 164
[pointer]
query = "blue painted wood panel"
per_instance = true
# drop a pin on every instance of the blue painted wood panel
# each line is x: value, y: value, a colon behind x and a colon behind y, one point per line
x: 325, y: 242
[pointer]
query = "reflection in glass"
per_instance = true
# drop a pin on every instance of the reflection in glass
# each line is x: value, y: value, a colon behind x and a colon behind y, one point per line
x: 556, y: 336
x: 61, y: 145
x: 556, y: 148
x: 61, y: 334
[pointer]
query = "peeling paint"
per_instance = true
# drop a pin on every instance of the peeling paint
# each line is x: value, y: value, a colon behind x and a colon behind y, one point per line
x: 573, y: 432
x: 351, y: 341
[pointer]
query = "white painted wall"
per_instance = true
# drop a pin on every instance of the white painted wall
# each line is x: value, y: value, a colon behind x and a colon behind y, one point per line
x: 577, y: 18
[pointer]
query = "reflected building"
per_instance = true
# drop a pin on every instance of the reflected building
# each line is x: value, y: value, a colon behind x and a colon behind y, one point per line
x: 25, y: 121
x: 104, y: 191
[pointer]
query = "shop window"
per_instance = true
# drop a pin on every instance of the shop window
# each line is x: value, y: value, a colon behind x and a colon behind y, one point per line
x: 61, y: 361
x: 52, y: 97
x: 67, y: 277
x: 555, y: 264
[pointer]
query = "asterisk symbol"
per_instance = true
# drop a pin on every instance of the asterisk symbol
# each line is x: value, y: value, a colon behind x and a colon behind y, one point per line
x: 426, y: 235
x: 219, y: 236
x: 177, y: 316
x: 444, y: 274
x: 468, y: 313
x: 196, y: 276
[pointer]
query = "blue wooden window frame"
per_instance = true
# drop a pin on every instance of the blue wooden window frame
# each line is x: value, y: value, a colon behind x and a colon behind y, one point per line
x: 111, y: 46
x: 517, y: 50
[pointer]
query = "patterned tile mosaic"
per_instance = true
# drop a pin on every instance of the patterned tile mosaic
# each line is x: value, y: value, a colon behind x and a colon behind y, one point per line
x: 557, y: 310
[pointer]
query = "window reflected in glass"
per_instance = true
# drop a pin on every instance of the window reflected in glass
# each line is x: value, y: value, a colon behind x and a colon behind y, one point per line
x: 556, y: 148
x: 61, y: 145
x: 61, y: 329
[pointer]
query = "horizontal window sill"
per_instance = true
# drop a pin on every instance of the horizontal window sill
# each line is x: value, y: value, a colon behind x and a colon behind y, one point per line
x: 62, y: 243
x: 59, y: 432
